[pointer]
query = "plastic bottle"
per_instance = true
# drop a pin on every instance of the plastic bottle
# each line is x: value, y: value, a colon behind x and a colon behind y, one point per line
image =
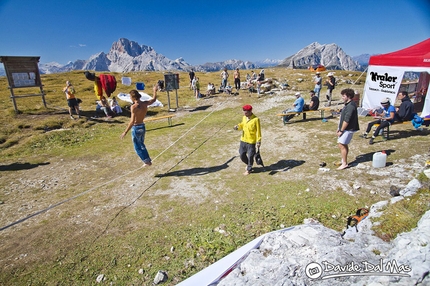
x: 379, y: 159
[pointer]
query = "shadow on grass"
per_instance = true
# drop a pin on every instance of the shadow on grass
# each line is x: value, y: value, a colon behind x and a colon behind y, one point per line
x: 368, y: 157
x: 105, y: 119
x: 398, y: 134
x: 197, y: 171
x: 162, y: 127
x: 309, y: 119
x: 20, y: 166
x: 280, y: 166
x: 200, y: 108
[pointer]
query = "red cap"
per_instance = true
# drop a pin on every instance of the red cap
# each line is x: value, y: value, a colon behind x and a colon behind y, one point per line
x: 247, y: 107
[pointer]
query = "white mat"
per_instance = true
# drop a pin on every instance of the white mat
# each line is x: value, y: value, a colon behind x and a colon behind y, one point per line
x: 145, y: 97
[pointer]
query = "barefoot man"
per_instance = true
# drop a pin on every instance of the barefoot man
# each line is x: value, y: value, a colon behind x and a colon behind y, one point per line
x: 348, y: 125
x: 251, y: 136
x: 138, y: 113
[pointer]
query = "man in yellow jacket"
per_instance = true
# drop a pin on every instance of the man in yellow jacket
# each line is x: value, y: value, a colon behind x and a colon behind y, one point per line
x: 251, y: 137
x: 98, y: 90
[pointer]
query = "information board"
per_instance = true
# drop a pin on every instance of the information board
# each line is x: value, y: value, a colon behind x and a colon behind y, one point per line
x: 172, y: 81
x: 22, y: 72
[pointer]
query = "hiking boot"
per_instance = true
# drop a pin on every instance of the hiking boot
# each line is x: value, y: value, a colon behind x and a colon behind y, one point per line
x: 363, y: 136
x: 371, y: 141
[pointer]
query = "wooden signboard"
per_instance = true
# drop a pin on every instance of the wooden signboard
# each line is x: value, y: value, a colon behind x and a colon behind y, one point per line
x: 172, y: 83
x: 22, y: 72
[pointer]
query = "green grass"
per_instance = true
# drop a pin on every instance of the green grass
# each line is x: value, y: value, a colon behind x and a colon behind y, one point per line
x: 404, y: 215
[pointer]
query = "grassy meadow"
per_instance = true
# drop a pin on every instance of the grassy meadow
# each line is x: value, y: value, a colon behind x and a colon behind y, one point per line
x: 76, y: 201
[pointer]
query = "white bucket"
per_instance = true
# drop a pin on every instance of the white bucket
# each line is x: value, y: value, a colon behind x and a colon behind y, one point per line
x: 379, y: 160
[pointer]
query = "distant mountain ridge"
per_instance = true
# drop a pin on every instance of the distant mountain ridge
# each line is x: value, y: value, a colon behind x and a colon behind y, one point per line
x: 125, y: 56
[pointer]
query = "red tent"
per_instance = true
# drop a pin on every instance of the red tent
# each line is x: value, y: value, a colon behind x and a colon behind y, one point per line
x: 416, y: 55
x: 386, y: 71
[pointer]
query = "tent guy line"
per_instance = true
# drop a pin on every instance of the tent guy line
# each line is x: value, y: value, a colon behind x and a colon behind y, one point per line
x: 121, y: 176
x: 159, y: 178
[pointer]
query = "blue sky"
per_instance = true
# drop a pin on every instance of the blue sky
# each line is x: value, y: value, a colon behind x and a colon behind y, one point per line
x: 209, y: 31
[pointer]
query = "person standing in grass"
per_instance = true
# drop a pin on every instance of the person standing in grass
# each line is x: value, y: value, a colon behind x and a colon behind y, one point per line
x: 318, y: 84
x: 138, y: 112
x: 348, y: 125
x: 251, y: 137
x: 192, y: 75
x: 224, y: 78
x: 72, y: 102
x: 197, y: 88
x: 331, y: 84
x: 237, y: 80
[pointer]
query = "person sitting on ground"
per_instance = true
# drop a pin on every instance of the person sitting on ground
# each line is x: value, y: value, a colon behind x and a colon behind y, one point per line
x: 228, y: 88
x: 260, y: 80
x: 253, y: 76
x: 103, y: 106
x: 315, y: 101
x: 297, y: 107
x: 114, y: 106
x: 250, y: 86
x: 384, y: 119
x: 210, y: 89
x: 406, y: 110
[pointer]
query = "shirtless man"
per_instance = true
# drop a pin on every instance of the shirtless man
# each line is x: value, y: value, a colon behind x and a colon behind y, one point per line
x: 138, y: 113
x: 237, y: 80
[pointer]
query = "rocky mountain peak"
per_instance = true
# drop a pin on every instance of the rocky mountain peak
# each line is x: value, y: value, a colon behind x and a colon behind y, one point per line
x: 329, y: 55
x: 125, y: 55
x: 131, y: 48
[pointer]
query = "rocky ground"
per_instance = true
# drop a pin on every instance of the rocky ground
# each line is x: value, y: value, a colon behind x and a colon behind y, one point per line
x: 311, y: 254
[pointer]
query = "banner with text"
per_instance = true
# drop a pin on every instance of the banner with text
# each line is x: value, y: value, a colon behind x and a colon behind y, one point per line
x: 381, y: 82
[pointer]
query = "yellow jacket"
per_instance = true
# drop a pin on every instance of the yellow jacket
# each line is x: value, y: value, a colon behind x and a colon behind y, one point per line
x: 98, y: 90
x: 251, y: 129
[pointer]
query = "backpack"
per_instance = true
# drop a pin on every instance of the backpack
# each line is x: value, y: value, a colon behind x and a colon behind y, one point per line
x: 417, y: 121
x: 160, y: 84
x: 258, y: 159
x: 352, y: 221
x: 108, y: 83
x: 261, y: 76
